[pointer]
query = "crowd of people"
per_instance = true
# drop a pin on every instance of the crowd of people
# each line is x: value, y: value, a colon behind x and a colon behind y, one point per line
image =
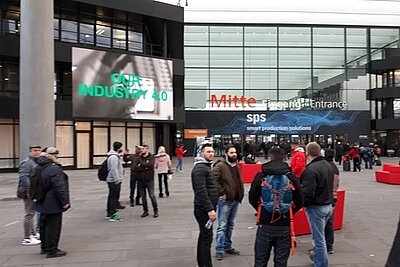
x: 277, y: 192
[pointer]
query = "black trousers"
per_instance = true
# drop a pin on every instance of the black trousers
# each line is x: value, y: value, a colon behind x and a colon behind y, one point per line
x: 149, y: 186
x: 205, y: 238
x: 50, y: 231
x: 114, y: 191
x: 133, y: 183
x: 394, y: 255
x: 160, y: 182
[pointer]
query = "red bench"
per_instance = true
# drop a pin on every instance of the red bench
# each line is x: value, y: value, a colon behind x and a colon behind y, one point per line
x: 390, y: 174
x: 301, y: 226
x: 249, y: 171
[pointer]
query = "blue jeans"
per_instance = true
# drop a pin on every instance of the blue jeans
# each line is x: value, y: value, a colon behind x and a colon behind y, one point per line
x: 227, y: 211
x: 266, y: 238
x: 179, y: 166
x: 329, y: 233
x: 318, y: 217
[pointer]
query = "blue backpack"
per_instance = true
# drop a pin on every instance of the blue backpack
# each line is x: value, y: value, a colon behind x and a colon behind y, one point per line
x: 276, y: 194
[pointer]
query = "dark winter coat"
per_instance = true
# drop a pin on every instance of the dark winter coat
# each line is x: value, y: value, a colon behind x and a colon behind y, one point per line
x: 54, y: 187
x: 317, y: 183
x: 225, y: 183
x: 204, y: 185
x: 144, y: 167
x: 270, y: 168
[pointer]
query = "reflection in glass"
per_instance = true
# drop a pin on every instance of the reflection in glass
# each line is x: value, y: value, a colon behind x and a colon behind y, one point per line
x: 356, y: 37
x: 196, y: 57
x: 69, y: 30
x: 260, y: 79
x: 260, y: 36
x: 384, y: 37
x: 226, y: 36
x: 135, y: 41
x: 103, y: 36
x: 196, y: 78
x: 226, y: 78
x: 257, y: 57
x: 328, y: 37
x: 119, y: 39
x: 294, y: 36
x: 328, y: 58
x: 86, y: 33
x: 295, y: 57
x: 230, y: 57
x: 356, y: 58
x: 294, y: 78
x: 196, y: 35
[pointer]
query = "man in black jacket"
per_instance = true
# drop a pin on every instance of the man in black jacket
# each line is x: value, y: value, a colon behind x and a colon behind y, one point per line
x: 205, y: 200
x: 55, y: 202
x: 317, y: 187
x: 144, y: 168
x: 273, y: 232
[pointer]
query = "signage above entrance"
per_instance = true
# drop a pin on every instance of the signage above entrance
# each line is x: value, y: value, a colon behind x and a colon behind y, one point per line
x: 235, y: 102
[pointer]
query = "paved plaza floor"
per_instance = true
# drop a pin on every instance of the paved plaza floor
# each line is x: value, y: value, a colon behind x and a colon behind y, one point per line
x: 371, y: 216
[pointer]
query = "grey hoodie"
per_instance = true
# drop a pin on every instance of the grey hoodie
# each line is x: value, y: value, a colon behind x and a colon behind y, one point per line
x: 115, y: 169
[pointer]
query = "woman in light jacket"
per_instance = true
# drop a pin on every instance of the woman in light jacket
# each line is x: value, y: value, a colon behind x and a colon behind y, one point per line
x: 162, y: 166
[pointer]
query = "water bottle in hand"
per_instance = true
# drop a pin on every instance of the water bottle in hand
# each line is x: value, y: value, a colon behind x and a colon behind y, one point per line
x: 209, y: 224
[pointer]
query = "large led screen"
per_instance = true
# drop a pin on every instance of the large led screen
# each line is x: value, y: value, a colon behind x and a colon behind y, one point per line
x: 120, y: 86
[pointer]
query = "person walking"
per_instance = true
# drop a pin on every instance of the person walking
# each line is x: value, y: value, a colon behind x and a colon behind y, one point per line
x: 205, y: 202
x: 162, y: 166
x: 356, y: 158
x: 298, y: 161
x: 133, y: 179
x: 144, y: 167
x: 394, y: 255
x: 27, y: 169
x: 231, y: 192
x: 114, y: 180
x: 317, y: 188
x: 54, y: 201
x: 273, y: 232
x: 180, y: 152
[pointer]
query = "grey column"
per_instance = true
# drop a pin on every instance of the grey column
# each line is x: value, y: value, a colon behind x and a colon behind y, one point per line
x: 36, y: 104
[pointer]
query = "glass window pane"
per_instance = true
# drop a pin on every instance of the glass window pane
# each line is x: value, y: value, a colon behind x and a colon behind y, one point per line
x: 294, y: 78
x: 260, y: 36
x: 294, y: 36
x: 285, y: 95
x: 295, y: 57
x: 261, y: 79
x: 384, y: 37
x: 135, y: 41
x: 196, y: 99
x: 324, y: 78
x: 257, y: 57
x: 56, y: 29
x: 133, y: 139
x: 9, y: 26
x: 6, y: 142
x: 103, y: 36
x: 357, y: 79
x: 100, y: 141
x: 356, y: 100
x: 226, y: 36
x: 117, y: 134
x: 356, y: 58
x: 196, y: 57
x: 328, y: 58
x: 217, y: 96
x: 149, y: 135
x: 82, y: 125
x: 226, y: 78
x: 226, y: 57
x: 86, y: 33
x: 356, y: 37
x: 64, y: 140
x: 329, y: 37
x: 69, y: 30
x: 196, y: 35
x: 196, y: 78
x: 119, y: 39
x: 262, y: 95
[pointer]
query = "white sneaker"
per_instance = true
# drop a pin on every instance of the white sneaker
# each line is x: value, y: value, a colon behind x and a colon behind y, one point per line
x: 30, y: 242
x: 36, y: 236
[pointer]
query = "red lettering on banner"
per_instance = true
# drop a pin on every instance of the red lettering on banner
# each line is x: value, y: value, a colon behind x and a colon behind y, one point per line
x: 232, y: 101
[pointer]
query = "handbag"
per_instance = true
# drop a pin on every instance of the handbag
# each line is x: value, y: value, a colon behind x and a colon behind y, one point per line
x: 22, y: 193
x: 169, y: 175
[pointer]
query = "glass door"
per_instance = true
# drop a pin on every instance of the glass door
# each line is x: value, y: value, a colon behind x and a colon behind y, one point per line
x: 83, y: 150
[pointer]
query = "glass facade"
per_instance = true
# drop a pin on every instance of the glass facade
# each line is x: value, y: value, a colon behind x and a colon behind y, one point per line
x: 282, y: 63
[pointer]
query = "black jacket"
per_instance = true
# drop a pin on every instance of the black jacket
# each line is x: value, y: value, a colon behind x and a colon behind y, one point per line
x: 54, y: 186
x: 143, y: 167
x: 204, y: 185
x: 274, y: 167
x: 317, y: 183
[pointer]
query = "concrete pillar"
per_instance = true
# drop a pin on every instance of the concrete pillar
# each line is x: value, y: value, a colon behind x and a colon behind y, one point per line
x: 36, y: 104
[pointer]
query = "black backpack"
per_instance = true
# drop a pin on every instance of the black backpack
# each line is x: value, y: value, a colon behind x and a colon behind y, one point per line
x: 37, y: 185
x: 102, y: 172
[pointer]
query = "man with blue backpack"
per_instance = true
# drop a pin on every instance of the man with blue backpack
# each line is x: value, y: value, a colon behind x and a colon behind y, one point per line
x: 275, y: 193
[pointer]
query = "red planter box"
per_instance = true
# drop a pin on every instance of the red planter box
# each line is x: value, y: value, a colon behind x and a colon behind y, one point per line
x: 390, y: 174
x: 249, y: 171
x: 301, y: 226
